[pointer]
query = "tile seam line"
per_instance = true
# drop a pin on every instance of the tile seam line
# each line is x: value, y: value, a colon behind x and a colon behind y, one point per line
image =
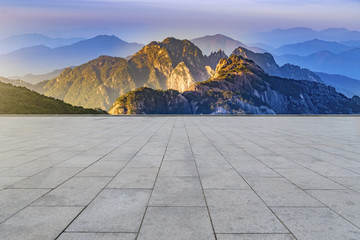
x: 111, y: 178
x: 244, y: 178
x: 202, y: 187
x: 51, y: 189
x: 157, y: 175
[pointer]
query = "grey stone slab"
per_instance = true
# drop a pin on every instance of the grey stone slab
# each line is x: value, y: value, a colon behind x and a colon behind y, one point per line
x: 13, y: 200
x: 78, y: 191
x: 97, y: 236
x: 49, y: 178
x: 317, y: 223
x: 344, y: 202
x: 281, y: 192
x: 176, y: 155
x: 178, y: 169
x: 40, y: 223
x: 7, y: 181
x: 306, y: 179
x: 177, y: 191
x: 28, y: 169
x: 241, y: 211
x: 264, y: 236
x: 176, y: 223
x: 134, y: 178
x: 103, y: 169
x: 277, y: 162
x: 215, y: 178
x: 254, y: 170
x: 352, y: 183
x: 145, y: 161
x: 82, y: 160
x: 113, y: 210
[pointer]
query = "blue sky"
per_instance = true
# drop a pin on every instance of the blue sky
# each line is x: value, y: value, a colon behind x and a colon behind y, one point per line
x: 147, y: 20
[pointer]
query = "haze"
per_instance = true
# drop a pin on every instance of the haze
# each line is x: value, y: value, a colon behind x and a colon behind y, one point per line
x: 147, y: 20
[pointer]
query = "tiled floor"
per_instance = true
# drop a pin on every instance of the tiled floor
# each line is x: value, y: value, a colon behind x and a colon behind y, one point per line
x: 189, y: 178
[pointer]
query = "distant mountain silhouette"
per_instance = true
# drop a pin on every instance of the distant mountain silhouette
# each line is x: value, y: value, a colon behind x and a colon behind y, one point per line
x: 213, y: 43
x: 42, y: 59
x: 34, y: 79
x: 310, y: 47
x: 279, y: 37
x: 345, y: 85
x: 16, y: 42
x: 345, y: 63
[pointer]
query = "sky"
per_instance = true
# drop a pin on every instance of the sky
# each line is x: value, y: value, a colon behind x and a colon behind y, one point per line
x: 146, y: 20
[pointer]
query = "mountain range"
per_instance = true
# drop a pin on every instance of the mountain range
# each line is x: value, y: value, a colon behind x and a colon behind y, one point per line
x: 178, y: 76
x: 41, y: 59
x: 16, y: 42
x: 279, y: 37
x: 310, y: 47
x: 239, y: 86
x: 345, y: 63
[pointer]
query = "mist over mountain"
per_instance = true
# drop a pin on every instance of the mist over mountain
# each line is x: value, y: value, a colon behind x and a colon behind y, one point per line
x: 41, y: 59
x: 345, y: 85
x: 279, y: 37
x: 346, y: 63
x: 213, y: 43
x: 16, y: 42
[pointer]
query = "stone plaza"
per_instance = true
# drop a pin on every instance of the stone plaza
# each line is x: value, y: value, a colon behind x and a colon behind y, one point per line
x: 179, y: 177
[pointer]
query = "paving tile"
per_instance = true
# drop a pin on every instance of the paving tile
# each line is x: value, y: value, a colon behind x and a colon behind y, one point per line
x: 350, y: 182
x: 175, y: 223
x: 306, y: 179
x: 103, y: 169
x: 178, y: 169
x: 281, y: 192
x: 177, y: 191
x: 145, y: 161
x: 49, y: 178
x: 176, y: 155
x: 113, y: 210
x: 255, y: 237
x: 134, y: 178
x: 344, y: 202
x: 241, y: 211
x: 7, y: 181
x: 40, y: 223
x: 317, y: 223
x: 214, y: 178
x: 78, y: 191
x: 13, y: 200
x: 97, y: 236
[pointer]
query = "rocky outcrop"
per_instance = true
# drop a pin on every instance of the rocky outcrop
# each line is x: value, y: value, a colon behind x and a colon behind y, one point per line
x: 240, y: 86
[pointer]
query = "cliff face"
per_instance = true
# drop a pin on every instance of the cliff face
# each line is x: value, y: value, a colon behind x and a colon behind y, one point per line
x: 240, y: 86
x: 171, y: 64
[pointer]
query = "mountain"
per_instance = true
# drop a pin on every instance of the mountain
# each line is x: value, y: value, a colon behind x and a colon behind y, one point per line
x: 20, y: 83
x: 40, y: 59
x: 345, y: 63
x: 240, y: 86
x: 345, y: 85
x: 34, y: 79
x: 279, y: 37
x: 16, y: 42
x: 267, y: 62
x: 170, y: 64
x: 19, y: 100
x: 310, y: 47
x: 211, y: 43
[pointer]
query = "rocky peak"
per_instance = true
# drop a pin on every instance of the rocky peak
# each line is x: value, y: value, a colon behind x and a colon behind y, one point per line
x: 213, y: 59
